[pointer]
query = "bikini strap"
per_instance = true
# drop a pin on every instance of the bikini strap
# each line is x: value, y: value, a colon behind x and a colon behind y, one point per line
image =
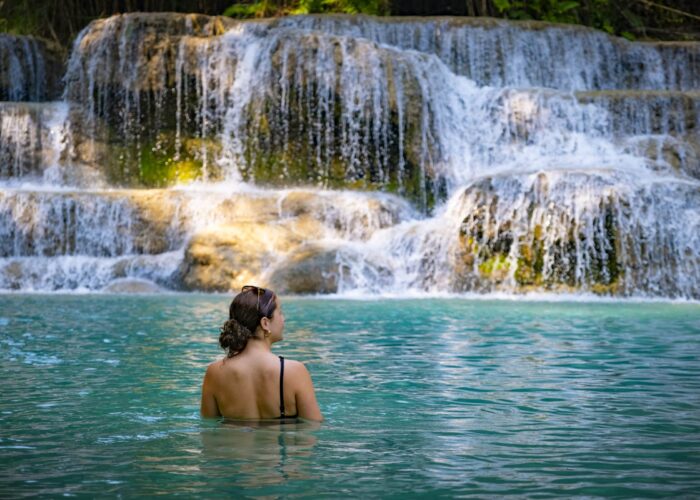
x: 281, y: 386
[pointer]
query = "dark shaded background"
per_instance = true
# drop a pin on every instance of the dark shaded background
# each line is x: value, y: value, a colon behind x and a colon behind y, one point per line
x: 61, y: 20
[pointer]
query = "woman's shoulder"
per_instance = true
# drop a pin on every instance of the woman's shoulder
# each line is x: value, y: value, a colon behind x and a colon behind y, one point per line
x: 215, y: 366
x: 292, y: 364
x: 213, y: 370
x: 221, y: 368
x: 296, y: 370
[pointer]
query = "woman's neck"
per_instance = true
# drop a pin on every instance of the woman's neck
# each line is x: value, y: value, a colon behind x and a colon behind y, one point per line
x: 259, y: 344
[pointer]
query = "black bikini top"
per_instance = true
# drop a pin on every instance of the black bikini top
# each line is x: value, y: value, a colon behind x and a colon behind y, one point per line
x: 282, y: 415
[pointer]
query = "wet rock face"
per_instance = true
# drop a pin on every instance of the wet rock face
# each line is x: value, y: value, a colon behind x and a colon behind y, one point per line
x: 30, y: 69
x: 338, y: 102
x: 211, y: 241
x: 169, y: 99
x: 135, y: 51
x: 500, y: 53
x: 337, y: 113
x: 131, y: 112
x: 311, y: 269
x: 36, y: 144
x: 21, y: 134
x: 289, y: 252
x: 635, y: 112
x: 546, y: 232
x: 659, y: 125
x: 228, y: 257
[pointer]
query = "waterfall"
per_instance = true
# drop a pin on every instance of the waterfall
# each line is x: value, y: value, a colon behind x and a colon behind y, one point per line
x: 500, y: 53
x: 485, y: 156
x: 33, y: 136
x: 29, y: 70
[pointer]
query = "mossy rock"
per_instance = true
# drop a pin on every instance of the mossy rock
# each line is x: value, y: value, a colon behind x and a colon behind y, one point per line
x: 498, y: 251
x: 158, y: 171
x: 159, y: 164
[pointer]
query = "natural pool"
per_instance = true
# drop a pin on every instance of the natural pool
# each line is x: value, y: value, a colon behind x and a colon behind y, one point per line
x: 439, y: 397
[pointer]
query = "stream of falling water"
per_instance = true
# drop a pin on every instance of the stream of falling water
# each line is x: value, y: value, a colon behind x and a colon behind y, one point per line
x: 521, y: 159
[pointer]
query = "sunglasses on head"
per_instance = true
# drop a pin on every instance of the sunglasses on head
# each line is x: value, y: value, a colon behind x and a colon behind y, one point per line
x: 260, y: 292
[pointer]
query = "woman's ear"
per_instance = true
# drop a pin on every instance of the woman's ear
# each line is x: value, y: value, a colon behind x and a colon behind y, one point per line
x: 265, y: 323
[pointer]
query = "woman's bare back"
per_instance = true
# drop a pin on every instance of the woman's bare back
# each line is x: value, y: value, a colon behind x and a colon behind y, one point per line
x: 247, y: 386
x: 248, y: 382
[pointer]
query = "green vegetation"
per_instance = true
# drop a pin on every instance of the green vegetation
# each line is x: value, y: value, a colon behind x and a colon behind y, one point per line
x: 161, y: 170
x: 61, y: 20
x: 554, y: 11
x: 662, y: 19
x: 268, y: 8
x: 155, y: 163
x: 495, y: 267
x: 633, y: 19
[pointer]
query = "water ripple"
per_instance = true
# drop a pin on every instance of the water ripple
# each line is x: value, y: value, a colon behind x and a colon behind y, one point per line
x: 447, y: 398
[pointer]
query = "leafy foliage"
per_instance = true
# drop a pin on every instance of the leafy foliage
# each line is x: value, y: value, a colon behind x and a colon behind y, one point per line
x: 246, y: 10
x: 633, y: 19
x: 664, y: 19
x: 553, y: 11
x: 266, y: 8
x: 61, y: 20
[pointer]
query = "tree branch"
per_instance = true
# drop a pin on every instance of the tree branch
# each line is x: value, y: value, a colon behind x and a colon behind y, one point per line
x: 670, y: 9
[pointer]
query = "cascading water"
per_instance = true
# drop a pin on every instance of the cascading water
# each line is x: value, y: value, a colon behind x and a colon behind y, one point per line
x: 532, y: 157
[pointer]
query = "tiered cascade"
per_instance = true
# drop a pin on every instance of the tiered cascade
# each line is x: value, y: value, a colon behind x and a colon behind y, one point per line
x: 193, y: 152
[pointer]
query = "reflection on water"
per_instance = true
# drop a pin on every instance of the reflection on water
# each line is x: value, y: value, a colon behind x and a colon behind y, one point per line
x: 268, y: 445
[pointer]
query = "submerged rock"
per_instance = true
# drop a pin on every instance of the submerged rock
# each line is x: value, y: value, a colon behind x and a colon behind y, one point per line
x: 131, y: 285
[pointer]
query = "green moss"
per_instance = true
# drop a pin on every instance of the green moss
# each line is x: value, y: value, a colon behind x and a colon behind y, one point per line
x: 162, y: 170
x: 157, y: 165
x: 606, y: 271
x: 531, y: 260
x: 605, y: 289
x: 495, y: 267
x: 272, y: 159
x: 525, y: 273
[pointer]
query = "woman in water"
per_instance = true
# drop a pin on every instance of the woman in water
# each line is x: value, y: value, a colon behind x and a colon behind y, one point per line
x: 251, y: 382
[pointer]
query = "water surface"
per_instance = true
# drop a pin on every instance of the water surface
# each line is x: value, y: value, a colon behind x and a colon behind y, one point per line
x: 442, y: 397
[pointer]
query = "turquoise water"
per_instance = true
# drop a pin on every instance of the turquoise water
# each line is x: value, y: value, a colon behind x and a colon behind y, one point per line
x: 440, y: 397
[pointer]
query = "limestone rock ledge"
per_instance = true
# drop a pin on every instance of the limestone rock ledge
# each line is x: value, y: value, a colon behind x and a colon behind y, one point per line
x: 294, y: 252
x: 229, y: 256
